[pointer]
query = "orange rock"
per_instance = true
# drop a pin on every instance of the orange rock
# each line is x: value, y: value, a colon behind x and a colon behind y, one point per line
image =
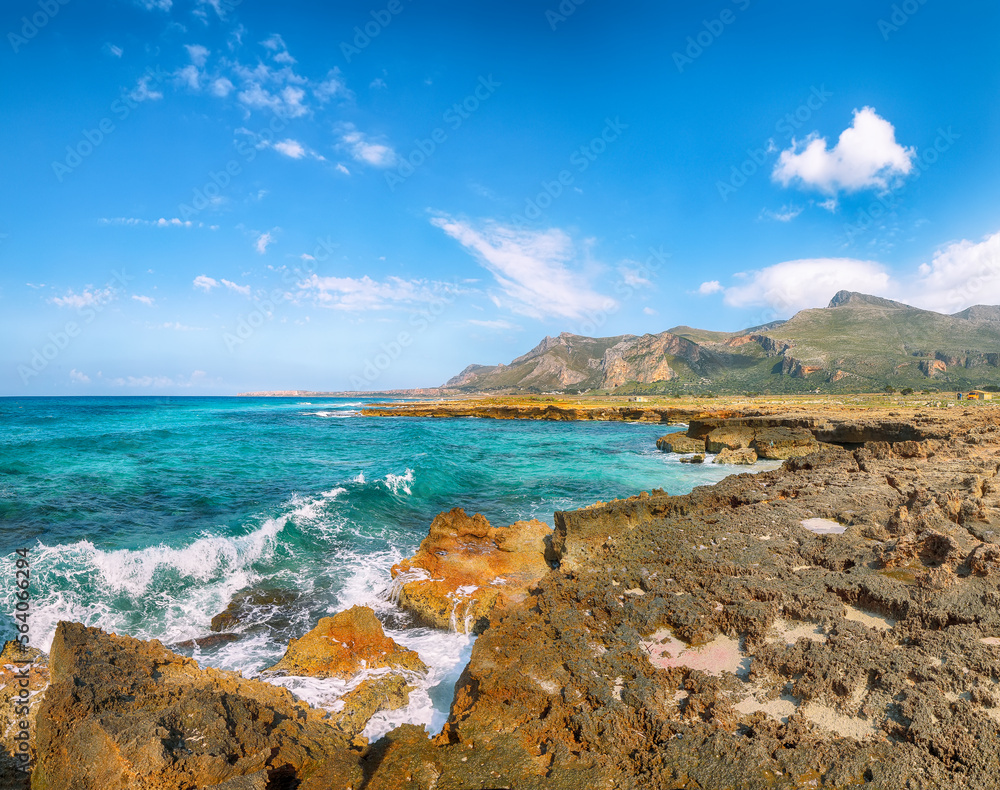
x: 464, y: 569
x: 343, y: 645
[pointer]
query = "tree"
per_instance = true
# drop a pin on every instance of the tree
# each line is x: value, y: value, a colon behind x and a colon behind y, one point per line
x: 889, y: 389
x: 906, y: 391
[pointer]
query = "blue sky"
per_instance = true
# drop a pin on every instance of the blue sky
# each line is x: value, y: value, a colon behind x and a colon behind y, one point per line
x: 212, y: 196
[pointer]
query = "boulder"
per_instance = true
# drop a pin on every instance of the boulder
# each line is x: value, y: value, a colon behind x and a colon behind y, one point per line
x: 464, y: 569
x: 254, y: 605
x: 693, y: 459
x: 783, y: 443
x: 727, y: 437
x: 743, y: 456
x: 343, y: 645
x: 122, y: 714
x: 24, y: 672
x: 679, y: 443
x: 386, y: 692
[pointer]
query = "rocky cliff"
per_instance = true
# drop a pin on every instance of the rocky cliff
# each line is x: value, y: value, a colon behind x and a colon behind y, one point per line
x: 857, y: 343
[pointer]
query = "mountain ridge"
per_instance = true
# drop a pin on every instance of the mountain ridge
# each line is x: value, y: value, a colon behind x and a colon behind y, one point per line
x: 858, y: 342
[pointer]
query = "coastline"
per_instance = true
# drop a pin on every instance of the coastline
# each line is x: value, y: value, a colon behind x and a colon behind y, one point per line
x: 679, y: 639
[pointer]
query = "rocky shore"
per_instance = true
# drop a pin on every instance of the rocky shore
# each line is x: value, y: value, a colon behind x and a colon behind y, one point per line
x: 833, y: 623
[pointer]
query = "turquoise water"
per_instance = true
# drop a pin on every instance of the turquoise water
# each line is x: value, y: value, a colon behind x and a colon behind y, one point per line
x: 145, y: 515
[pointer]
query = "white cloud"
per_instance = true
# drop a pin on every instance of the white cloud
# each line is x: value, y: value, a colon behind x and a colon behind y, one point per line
x: 240, y: 289
x: 78, y: 378
x: 710, y: 287
x: 364, y: 149
x: 197, y: 53
x: 377, y: 83
x: 797, y: 285
x: 159, y: 382
x: 205, y: 282
x: 292, y: 148
x: 262, y: 242
x: 221, y: 87
x: 342, y: 169
x: 783, y: 214
x: 364, y: 293
x: 830, y: 205
x: 159, y: 5
x: 500, y: 324
x: 531, y: 268
x: 217, y: 5
x: 113, y: 50
x: 189, y: 75
x: 146, y: 300
x: 649, y: 311
x: 89, y: 297
x: 960, y: 275
x: 274, y: 43
x: 162, y: 222
x: 631, y: 276
x: 333, y: 85
x: 142, y: 91
x: 865, y: 156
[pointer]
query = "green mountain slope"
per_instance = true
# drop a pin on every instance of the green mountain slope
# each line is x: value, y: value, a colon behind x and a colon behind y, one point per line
x: 856, y: 343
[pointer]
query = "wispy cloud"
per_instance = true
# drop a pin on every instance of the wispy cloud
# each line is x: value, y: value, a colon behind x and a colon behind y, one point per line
x: 240, y: 289
x: 783, y: 214
x: 88, y: 297
x: 205, y: 283
x: 532, y: 268
x: 146, y: 300
x: 263, y: 241
x: 197, y: 53
x: 364, y: 293
x: 499, y: 324
x: 866, y: 156
x: 113, y: 50
x: 162, y: 222
x: 365, y: 149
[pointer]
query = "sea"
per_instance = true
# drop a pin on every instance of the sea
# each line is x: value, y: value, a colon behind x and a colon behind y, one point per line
x: 145, y: 516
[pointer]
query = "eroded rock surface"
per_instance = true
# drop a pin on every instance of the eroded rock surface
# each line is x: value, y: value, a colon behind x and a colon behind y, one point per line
x: 24, y: 675
x: 121, y: 714
x: 345, y: 644
x: 465, y: 569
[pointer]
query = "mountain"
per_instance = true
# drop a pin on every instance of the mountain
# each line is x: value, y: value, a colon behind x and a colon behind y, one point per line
x: 856, y: 343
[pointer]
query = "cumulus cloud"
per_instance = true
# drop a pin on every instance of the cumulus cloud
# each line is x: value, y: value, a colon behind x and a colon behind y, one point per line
x: 291, y: 148
x: 190, y: 76
x: 143, y: 92
x: 960, y: 275
x: 532, y: 268
x: 791, y: 286
x: 365, y: 149
x: 78, y: 378
x: 866, y: 156
x: 710, y: 287
x: 205, y: 283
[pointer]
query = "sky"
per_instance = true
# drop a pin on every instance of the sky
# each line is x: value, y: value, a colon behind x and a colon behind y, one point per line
x: 206, y: 197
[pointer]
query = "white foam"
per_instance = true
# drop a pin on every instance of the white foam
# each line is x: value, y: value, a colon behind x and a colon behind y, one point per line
x: 395, y: 483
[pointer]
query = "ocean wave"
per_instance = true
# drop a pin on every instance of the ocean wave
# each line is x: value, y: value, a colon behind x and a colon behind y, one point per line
x: 397, y: 483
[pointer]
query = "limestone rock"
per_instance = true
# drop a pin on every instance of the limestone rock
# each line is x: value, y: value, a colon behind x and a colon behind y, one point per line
x: 253, y: 604
x: 693, y: 459
x: 343, y: 645
x: 387, y: 692
x: 464, y: 569
x: 24, y: 673
x: 679, y: 443
x: 729, y: 438
x: 784, y: 443
x: 744, y: 456
x: 122, y: 714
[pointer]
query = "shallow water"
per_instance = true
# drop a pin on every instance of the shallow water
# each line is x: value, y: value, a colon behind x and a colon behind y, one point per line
x: 145, y: 515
